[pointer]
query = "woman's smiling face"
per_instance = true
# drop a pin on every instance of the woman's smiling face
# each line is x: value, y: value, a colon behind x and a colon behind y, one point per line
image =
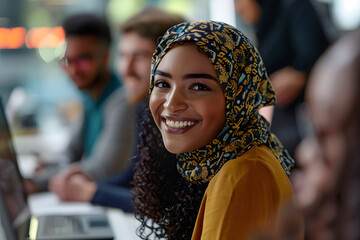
x: 187, y: 102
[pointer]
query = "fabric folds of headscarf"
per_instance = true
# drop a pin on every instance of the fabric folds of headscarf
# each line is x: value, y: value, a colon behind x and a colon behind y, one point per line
x: 243, y: 78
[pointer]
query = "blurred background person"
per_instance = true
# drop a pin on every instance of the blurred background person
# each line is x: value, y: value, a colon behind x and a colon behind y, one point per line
x: 139, y: 38
x: 328, y: 181
x: 290, y: 39
x: 102, y: 140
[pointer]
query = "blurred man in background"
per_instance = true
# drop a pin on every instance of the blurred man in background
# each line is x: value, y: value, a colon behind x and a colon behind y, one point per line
x: 328, y: 181
x: 290, y: 39
x: 102, y: 140
x: 140, y: 36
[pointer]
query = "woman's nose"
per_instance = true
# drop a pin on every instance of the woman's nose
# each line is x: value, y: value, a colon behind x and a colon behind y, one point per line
x: 175, y: 100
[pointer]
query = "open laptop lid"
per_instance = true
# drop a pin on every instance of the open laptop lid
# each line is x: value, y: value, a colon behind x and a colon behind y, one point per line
x: 6, y: 228
x: 14, y: 211
x: 7, y: 150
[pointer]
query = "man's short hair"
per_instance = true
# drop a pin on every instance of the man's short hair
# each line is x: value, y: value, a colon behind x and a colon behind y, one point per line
x: 151, y: 23
x: 86, y: 24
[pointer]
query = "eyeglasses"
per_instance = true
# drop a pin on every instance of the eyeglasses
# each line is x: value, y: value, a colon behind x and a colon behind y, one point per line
x: 83, y: 61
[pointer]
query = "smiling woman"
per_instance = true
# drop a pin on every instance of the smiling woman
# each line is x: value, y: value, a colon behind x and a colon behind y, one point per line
x: 208, y: 83
x: 187, y: 102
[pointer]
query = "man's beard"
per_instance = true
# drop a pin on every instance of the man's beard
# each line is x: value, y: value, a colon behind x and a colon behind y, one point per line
x: 97, y: 79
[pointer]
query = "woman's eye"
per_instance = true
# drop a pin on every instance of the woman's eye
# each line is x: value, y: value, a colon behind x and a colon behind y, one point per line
x: 161, y: 84
x: 200, y: 87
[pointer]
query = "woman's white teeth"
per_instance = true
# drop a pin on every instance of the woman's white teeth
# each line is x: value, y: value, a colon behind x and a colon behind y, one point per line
x: 179, y: 124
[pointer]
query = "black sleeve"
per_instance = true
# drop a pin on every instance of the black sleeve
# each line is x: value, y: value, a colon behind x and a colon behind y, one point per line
x: 123, y: 178
x: 307, y: 35
x: 113, y: 196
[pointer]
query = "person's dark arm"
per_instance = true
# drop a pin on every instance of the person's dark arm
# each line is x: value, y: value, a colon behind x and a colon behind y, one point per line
x: 123, y: 178
x: 113, y: 196
x: 308, y: 38
x: 114, y: 191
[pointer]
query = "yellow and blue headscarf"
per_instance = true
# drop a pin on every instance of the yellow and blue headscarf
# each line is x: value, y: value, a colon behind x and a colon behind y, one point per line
x: 243, y: 78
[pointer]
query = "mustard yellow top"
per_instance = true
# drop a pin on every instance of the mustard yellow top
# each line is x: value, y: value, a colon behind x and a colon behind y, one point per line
x: 244, y: 196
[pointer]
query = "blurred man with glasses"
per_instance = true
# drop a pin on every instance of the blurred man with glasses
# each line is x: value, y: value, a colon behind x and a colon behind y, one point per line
x: 102, y: 141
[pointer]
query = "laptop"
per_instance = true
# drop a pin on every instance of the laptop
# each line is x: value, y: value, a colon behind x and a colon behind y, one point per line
x: 16, y: 221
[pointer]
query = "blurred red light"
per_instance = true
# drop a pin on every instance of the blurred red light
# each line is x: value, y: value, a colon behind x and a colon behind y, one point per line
x: 13, y: 38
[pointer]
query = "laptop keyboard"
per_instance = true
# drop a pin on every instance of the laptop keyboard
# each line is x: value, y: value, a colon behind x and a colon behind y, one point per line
x: 63, y: 225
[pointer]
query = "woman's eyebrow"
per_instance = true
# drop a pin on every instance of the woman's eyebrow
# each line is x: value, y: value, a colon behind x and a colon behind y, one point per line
x: 200, y: 75
x: 161, y: 73
x: 187, y: 76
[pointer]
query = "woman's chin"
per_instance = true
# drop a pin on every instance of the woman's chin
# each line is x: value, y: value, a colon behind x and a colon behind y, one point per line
x: 177, y: 149
x: 174, y: 149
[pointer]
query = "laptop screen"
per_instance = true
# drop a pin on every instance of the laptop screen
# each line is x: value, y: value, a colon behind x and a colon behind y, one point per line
x: 7, y: 150
x: 13, y: 196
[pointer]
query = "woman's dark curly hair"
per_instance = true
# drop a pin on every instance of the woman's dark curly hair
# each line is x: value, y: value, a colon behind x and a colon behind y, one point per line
x: 164, y: 202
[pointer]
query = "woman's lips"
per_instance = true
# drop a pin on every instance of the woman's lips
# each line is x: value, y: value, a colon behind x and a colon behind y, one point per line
x: 177, y: 126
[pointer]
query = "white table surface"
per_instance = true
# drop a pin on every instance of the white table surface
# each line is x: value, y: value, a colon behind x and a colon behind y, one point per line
x: 123, y: 224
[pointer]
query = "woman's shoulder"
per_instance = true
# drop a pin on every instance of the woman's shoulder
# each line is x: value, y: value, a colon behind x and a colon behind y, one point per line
x: 256, y: 155
x: 257, y: 162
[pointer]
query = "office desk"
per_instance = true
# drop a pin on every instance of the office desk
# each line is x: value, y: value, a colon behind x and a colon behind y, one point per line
x: 123, y: 224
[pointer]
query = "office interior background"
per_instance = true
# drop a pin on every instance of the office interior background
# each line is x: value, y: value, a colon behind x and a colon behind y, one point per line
x: 40, y: 100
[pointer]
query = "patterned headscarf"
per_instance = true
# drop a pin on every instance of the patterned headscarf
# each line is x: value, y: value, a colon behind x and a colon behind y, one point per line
x: 243, y: 78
